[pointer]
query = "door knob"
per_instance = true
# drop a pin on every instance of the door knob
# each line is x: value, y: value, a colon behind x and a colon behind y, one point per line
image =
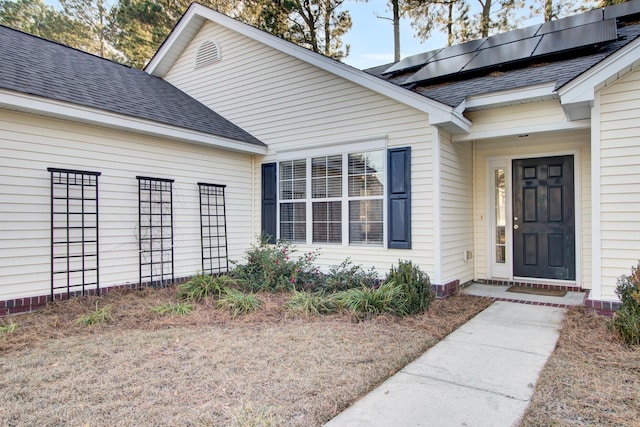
x: 516, y: 226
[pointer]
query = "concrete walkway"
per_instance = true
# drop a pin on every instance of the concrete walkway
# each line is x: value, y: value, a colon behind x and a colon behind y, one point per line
x: 483, y: 374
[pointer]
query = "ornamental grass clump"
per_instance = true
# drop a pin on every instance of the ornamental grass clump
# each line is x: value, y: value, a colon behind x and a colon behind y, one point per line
x: 365, y: 302
x: 312, y: 304
x: 415, y: 284
x: 99, y: 315
x: 626, y: 321
x: 173, y: 309
x: 204, y: 286
x: 238, y: 302
x: 273, y: 268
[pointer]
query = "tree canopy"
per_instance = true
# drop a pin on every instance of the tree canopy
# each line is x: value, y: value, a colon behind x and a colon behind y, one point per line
x: 130, y: 31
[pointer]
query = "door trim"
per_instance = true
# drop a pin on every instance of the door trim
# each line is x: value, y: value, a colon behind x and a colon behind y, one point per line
x: 489, y: 214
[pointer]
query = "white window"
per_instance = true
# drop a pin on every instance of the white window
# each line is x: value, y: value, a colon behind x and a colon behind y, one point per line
x: 333, y: 199
x: 293, y: 194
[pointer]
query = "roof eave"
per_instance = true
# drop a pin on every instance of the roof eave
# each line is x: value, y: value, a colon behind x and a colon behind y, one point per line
x: 577, y: 95
x: 18, y: 101
x: 440, y: 115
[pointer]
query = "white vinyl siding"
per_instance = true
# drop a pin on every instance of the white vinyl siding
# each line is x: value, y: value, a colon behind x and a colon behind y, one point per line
x: 619, y: 180
x: 291, y: 105
x: 537, y: 145
x: 456, y: 204
x: 30, y: 144
x: 516, y: 118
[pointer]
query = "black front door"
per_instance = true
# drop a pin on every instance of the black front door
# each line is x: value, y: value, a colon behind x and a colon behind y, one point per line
x: 543, y: 218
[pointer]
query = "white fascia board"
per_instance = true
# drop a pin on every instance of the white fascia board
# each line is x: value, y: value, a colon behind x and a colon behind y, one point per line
x: 581, y: 90
x: 523, y: 130
x: 439, y: 113
x: 509, y: 97
x: 18, y: 101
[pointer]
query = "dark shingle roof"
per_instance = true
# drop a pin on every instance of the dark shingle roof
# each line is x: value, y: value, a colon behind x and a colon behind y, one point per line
x: 559, y: 70
x: 35, y: 66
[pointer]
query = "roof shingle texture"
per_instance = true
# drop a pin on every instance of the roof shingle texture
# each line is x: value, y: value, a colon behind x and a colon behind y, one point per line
x: 35, y: 66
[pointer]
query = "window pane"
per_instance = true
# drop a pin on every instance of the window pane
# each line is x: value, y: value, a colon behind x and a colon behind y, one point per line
x: 293, y: 184
x: 299, y: 169
x: 293, y: 222
x: 365, y: 222
x: 327, y: 176
x: 319, y: 188
x: 500, y: 213
x: 327, y: 226
x: 286, y: 192
x: 299, y: 189
x: 366, y: 174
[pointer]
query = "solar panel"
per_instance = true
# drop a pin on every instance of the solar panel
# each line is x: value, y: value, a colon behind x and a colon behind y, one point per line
x: 572, y: 38
x: 458, y: 49
x: 623, y: 9
x: 412, y: 61
x: 441, y: 68
x: 571, y: 21
x: 511, y: 36
x: 503, y: 53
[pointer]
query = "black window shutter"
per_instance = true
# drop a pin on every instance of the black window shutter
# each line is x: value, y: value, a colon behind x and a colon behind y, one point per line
x: 269, y: 198
x: 399, y: 198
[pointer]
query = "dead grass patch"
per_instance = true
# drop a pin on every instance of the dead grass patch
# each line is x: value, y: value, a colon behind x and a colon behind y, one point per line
x: 271, y: 367
x: 591, y: 379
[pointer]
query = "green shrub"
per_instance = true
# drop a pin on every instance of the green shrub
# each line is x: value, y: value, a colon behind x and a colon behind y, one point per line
x: 626, y: 321
x: 346, y: 275
x: 364, y: 302
x: 312, y: 304
x: 173, y: 309
x: 238, y: 302
x: 99, y: 315
x: 272, y: 268
x: 204, y: 286
x: 8, y: 328
x: 415, y: 284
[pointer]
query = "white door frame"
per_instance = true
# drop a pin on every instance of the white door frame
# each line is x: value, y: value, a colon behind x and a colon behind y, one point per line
x: 504, y: 271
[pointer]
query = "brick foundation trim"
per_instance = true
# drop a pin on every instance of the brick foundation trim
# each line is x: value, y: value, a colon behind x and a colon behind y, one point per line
x: 604, y: 308
x: 446, y: 289
x: 28, y: 304
x: 529, y: 285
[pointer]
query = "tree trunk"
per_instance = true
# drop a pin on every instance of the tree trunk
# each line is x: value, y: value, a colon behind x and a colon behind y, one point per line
x: 450, y: 25
x: 548, y: 10
x: 396, y: 30
x: 484, y: 22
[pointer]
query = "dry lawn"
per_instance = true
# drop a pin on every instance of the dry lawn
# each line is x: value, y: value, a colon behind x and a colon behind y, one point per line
x: 592, y: 379
x: 143, y: 368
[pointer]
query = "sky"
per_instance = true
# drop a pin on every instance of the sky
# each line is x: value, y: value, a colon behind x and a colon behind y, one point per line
x: 371, y: 38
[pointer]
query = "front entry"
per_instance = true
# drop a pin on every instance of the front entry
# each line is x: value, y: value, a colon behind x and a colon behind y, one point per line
x: 543, y: 218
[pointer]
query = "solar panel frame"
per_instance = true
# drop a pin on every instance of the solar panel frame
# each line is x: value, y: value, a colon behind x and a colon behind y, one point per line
x: 571, y: 22
x: 576, y: 37
x: 511, y: 36
x: 622, y: 9
x: 458, y: 50
x: 444, y: 67
x: 412, y: 61
x: 503, y: 54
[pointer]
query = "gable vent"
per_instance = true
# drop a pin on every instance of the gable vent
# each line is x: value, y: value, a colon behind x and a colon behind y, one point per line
x: 208, y: 53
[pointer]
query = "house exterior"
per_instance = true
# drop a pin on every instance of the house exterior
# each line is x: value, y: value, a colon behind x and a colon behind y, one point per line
x: 512, y: 159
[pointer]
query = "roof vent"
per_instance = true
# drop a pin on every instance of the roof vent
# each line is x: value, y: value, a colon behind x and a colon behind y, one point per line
x: 208, y: 53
